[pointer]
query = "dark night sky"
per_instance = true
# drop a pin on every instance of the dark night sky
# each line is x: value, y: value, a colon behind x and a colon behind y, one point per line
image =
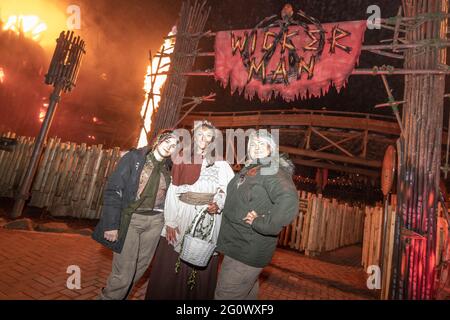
x: 119, y: 35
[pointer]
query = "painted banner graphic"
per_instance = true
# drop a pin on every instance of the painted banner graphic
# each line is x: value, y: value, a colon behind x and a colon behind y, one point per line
x: 294, y: 62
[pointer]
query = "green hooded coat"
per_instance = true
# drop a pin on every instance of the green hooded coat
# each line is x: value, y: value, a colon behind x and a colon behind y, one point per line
x: 273, y: 197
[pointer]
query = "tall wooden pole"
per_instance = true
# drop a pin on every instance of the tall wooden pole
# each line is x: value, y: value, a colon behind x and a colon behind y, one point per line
x: 62, y: 74
x: 23, y: 193
x: 419, y: 149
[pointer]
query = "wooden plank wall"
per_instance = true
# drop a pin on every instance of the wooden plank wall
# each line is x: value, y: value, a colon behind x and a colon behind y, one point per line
x: 323, y: 225
x: 69, y: 180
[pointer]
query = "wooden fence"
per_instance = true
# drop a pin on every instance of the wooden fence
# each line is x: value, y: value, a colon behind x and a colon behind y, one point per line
x: 374, y: 254
x: 69, y: 180
x: 379, y: 252
x: 323, y: 225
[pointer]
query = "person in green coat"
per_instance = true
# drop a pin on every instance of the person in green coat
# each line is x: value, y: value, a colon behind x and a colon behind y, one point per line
x: 261, y: 200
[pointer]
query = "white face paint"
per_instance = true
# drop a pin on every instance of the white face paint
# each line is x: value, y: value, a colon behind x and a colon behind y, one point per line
x: 258, y: 148
x: 167, y: 147
x: 203, y: 137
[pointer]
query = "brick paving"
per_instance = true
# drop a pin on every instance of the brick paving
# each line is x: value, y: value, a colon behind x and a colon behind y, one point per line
x: 33, y: 266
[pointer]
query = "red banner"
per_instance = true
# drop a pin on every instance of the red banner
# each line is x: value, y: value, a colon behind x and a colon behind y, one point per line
x: 294, y: 63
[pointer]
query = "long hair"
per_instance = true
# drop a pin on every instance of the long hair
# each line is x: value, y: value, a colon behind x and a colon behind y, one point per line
x: 210, y: 149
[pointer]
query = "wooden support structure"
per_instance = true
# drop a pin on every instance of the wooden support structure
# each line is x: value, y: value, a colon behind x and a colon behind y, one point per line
x: 392, y: 101
x: 193, y: 104
x: 335, y: 167
x: 365, y: 142
x: 298, y: 117
x: 329, y: 156
x: 419, y: 150
x: 192, y: 21
x: 355, y: 136
x: 332, y: 143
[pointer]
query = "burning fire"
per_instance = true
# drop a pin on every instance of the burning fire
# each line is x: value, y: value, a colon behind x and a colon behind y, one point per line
x: 159, y: 80
x: 40, y: 20
x: 30, y: 26
x: 43, y: 111
x: 2, y: 75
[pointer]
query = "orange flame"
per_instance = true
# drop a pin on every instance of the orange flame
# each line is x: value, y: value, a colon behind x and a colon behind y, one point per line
x: 40, y: 20
x: 2, y: 75
x: 159, y: 81
x: 43, y: 112
x: 30, y: 26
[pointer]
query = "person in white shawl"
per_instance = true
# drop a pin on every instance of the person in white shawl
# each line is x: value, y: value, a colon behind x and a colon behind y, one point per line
x: 192, y: 183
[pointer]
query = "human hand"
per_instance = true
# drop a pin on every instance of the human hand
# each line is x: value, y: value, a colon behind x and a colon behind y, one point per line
x: 252, y: 215
x: 111, y: 235
x: 212, y: 208
x: 171, y: 234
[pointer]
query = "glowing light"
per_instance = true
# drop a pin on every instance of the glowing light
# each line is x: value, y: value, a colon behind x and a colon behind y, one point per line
x: 40, y: 20
x: 94, y: 119
x: 30, y: 26
x: 159, y: 81
x: 43, y: 112
x: 42, y: 115
x: 91, y: 137
x: 2, y: 75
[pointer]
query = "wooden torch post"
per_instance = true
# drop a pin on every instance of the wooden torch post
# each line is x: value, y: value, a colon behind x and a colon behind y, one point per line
x: 62, y: 74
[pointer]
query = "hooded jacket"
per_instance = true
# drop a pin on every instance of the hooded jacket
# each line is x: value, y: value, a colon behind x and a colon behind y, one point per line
x: 272, y: 196
x: 120, y: 191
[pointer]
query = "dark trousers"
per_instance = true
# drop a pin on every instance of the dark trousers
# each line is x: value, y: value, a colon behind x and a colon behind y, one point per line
x: 165, y: 284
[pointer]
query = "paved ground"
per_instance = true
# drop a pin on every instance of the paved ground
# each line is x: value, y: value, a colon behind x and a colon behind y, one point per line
x: 33, y: 265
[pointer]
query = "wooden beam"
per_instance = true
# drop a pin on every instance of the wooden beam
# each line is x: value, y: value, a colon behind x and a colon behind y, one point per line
x: 195, y: 102
x: 365, y: 141
x: 308, y: 138
x: 392, y: 99
x: 330, y: 156
x: 334, y: 167
x: 388, y: 54
x: 353, y: 136
x: 337, y: 134
x: 334, y: 144
x: 316, y: 120
x: 356, y: 72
